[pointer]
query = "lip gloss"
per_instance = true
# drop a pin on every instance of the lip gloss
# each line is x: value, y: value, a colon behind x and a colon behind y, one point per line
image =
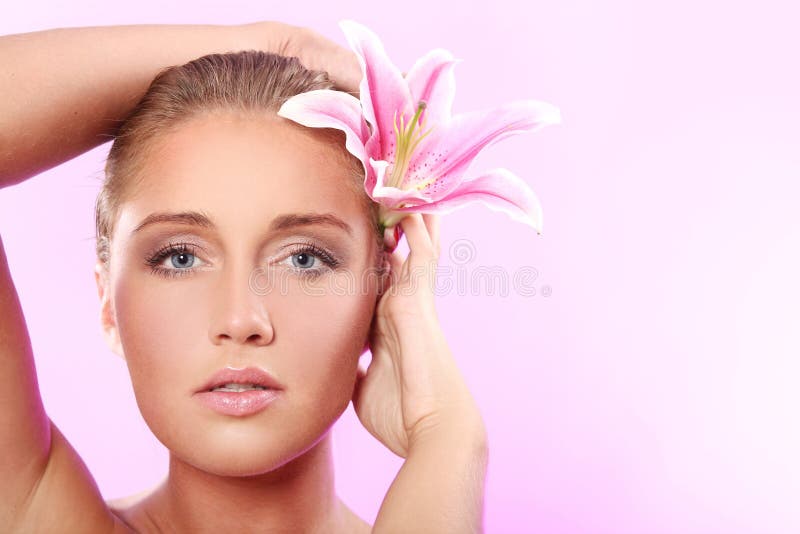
x: 238, y: 403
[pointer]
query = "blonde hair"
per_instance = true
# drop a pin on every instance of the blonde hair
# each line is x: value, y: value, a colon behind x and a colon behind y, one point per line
x: 250, y: 81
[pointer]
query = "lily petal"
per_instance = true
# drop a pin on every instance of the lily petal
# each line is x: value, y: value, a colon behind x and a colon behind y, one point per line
x: 324, y: 108
x: 444, y: 156
x: 431, y: 79
x: 379, y: 168
x: 499, y: 189
x: 390, y: 196
x: 383, y: 90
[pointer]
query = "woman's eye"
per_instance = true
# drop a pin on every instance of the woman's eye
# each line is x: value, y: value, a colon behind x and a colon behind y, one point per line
x: 311, y: 260
x: 303, y: 260
x: 182, y: 260
x: 178, y: 259
x: 174, y: 260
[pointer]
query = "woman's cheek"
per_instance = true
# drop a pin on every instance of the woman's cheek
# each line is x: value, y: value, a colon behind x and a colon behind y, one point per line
x: 159, y: 326
x: 325, y: 333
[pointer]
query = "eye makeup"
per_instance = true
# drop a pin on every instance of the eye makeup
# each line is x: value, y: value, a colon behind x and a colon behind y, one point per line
x: 302, y: 250
x: 155, y: 258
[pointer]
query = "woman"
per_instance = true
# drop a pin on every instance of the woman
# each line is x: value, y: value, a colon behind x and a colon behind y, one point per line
x: 241, y: 273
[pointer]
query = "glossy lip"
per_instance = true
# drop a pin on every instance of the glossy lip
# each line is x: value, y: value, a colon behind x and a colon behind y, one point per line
x: 238, y: 403
x: 248, y: 375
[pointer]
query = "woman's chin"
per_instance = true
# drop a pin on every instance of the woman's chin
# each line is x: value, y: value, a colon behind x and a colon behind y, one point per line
x: 241, y: 452
x: 236, y: 460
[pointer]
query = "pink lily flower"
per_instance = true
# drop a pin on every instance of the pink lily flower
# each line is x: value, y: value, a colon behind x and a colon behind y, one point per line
x: 415, y: 153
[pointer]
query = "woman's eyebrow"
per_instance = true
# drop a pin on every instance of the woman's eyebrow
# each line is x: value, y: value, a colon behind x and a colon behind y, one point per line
x: 290, y: 220
x: 280, y: 222
x: 191, y: 218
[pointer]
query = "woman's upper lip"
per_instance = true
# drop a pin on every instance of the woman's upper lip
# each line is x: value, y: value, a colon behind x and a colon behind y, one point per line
x: 248, y: 375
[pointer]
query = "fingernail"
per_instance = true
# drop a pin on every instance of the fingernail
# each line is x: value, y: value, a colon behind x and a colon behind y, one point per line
x: 390, y: 239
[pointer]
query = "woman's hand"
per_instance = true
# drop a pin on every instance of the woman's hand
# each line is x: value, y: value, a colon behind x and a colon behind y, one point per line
x: 314, y: 51
x: 413, y: 389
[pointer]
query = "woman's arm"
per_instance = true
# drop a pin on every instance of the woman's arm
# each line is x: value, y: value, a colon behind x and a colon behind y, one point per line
x: 414, y: 400
x: 439, y: 488
x: 65, y: 90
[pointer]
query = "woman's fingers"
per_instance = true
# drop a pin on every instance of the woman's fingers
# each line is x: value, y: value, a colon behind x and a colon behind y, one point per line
x: 390, y: 239
x: 423, y: 257
x: 348, y: 73
x: 419, y: 240
x: 394, y: 270
x: 432, y: 221
x: 317, y: 52
x: 396, y: 263
x: 422, y: 233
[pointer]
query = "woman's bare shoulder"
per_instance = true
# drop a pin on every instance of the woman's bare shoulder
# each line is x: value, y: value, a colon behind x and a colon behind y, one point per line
x: 131, y: 511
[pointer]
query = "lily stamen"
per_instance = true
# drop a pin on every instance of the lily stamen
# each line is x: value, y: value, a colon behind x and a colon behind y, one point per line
x: 406, y: 144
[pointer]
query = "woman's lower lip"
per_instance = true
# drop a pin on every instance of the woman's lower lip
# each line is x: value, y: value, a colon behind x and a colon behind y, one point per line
x: 238, y: 403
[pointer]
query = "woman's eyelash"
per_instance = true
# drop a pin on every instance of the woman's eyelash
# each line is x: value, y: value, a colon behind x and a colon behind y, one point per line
x: 310, y: 248
x: 155, y: 259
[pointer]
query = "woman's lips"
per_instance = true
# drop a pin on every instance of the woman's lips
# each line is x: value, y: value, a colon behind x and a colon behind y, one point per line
x: 252, y: 375
x: 238, y: 403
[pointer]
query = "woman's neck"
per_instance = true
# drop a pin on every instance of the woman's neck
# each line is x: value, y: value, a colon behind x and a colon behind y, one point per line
x: 297, y: 497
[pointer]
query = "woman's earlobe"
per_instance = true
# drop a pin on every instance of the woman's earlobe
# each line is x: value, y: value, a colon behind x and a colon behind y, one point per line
x: 111, y: 335
x: 107, y: 317
x: 99, y: 278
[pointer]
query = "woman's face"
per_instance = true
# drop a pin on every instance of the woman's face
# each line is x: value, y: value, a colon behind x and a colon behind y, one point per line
x: 243, y: 289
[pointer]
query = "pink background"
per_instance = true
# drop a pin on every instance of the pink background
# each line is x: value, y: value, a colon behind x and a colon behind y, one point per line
x: 655, y: 389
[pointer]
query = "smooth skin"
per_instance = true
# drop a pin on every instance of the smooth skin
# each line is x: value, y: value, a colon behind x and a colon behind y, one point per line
x: 199, y: 311
x: 412, y: 398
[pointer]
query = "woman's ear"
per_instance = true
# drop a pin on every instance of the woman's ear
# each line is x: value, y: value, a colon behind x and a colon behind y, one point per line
x: 107, y: 316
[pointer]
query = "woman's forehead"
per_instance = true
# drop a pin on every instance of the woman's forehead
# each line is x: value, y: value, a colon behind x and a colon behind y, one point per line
x: 212, y: 152
x: 235, y: 166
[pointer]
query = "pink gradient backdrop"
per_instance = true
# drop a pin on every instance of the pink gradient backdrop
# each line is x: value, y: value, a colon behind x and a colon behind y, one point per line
x: 655, y: 389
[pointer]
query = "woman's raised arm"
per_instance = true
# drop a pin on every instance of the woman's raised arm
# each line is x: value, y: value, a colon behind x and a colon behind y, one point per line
x: 66, y: 89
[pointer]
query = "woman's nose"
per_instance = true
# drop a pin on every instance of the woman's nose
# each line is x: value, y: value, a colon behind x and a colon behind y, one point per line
x: 239, y: 313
